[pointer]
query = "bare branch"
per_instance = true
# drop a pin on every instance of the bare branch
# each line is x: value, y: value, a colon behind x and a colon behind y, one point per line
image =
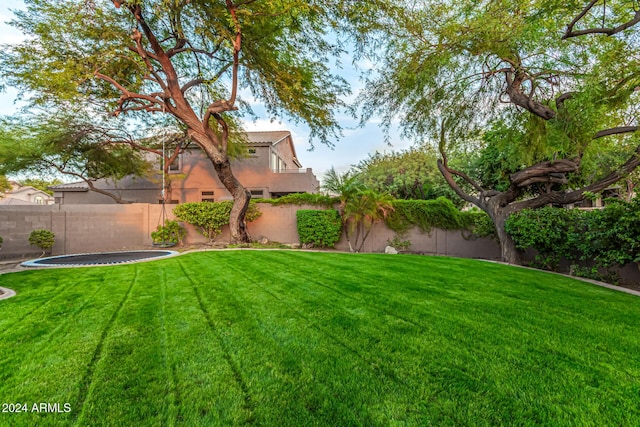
x: 514, y: 91
x: 616, y: 131
x: 608, y: 31
x: 88, y: 181
x: 542, y: 171
x: 562, y: 98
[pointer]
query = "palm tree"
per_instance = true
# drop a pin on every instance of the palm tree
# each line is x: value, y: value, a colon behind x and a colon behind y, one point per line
x: 361, y: 211
x: 359, y: 207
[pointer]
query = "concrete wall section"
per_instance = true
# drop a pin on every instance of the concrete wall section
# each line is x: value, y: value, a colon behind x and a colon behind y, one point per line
x: 17, y: 222
x: 94, y: 228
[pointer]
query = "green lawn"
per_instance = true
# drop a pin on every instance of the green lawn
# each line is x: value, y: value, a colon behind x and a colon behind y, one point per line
x: 296, y: 338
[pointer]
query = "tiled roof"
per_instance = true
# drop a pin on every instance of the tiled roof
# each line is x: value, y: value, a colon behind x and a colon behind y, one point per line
x: 267, y: 137
x: 80, y: 185
x: 13, y: 201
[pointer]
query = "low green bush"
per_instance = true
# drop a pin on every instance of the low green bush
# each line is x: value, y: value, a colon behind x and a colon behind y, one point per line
x: 169, y: 233
x: 602, y: 238
x: 321, y: 229
x: 209, y: 218
x: 611, y: 236
x: 479, y: 224
x: 44, y: 239
x: 550, y: 231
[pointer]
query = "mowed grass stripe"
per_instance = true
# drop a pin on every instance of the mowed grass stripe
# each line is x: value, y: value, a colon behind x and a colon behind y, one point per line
x: 36, y: 296
x: 94, y: 380
x: 467, y: 335
x: 206, y: 390
x: 222, y: 345
x: 170, y: 415
x: 272, y: 345
x: 349, y: 345
x: 54, y: 350
x: 330, y: 339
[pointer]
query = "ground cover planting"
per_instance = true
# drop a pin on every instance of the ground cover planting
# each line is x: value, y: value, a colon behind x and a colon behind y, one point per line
x: 301, y: 338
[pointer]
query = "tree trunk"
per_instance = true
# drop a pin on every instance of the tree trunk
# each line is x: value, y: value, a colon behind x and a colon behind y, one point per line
x: 241, y: 197
x: 509, y: 253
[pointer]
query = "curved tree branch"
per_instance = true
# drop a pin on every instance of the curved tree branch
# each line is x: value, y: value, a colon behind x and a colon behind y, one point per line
x: 516, y: 96
x: 602, y: 30
x: 616, y: 131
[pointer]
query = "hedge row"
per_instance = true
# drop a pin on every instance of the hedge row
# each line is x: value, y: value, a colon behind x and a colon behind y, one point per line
x: 439, y: 213
x: 321, y: 229
x: 605, y: 238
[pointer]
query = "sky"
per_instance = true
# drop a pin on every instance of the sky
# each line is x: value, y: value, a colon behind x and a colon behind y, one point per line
x: 355, y: 145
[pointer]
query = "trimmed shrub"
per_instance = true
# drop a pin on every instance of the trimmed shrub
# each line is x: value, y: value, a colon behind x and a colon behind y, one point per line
x: 210, y: 217
x: 169, y: 233
x: 44, y: 239
x: 321, y: 229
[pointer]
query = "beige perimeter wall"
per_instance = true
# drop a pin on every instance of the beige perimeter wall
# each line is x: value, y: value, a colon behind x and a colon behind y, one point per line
x: 96, y: 228
x: 100, y: 228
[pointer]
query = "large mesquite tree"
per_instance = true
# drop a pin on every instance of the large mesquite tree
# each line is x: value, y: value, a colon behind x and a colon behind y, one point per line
x: 191, y: 59
x: 548, y: 86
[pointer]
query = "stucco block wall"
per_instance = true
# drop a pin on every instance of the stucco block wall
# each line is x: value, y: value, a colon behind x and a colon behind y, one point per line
x: 94, y: 228
x: 98, y: 228
x: 17, y: 222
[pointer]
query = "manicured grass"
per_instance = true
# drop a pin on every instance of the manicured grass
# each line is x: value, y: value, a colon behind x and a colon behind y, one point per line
x: 293, y: 339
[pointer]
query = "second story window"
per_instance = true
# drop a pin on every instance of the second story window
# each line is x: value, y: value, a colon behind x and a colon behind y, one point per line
x: 277, y: 164
x: 174, y: 166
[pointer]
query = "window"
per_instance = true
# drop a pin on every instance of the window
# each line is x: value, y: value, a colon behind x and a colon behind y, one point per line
x: 257, y: 194
x: 169, y: 202
x: 38, y: 200
x: 252, y: 152
x: 174, y: 166
x: 206, y: 196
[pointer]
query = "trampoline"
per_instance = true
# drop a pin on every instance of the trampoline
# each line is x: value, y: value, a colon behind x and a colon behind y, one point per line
x: 100, y: 258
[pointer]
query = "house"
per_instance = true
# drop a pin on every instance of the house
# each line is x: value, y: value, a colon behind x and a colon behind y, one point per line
x: 271, y: 169
x: 25, y: 195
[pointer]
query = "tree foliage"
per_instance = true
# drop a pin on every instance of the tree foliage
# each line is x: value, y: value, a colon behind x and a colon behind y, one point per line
x: 41, y: 183
x: 5, y: 185
x: 410, y: 174
x: 190, y: 60
x: 536, y: 86
x: 69, y: 145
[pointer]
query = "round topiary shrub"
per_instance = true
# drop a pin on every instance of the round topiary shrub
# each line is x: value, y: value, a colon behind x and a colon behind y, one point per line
x: 44, y: 239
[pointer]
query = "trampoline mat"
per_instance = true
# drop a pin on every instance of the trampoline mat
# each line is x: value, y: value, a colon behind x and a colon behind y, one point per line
x: 104, y: 258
